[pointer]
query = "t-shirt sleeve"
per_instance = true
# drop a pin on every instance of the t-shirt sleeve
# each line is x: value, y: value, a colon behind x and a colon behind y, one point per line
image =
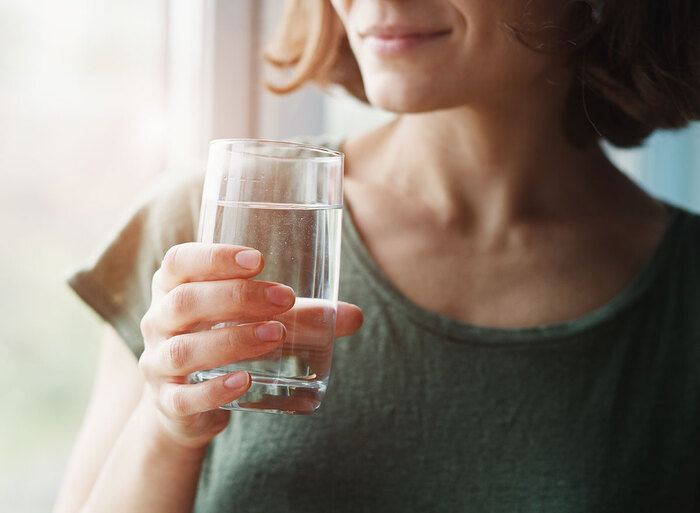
x: 116, y: 283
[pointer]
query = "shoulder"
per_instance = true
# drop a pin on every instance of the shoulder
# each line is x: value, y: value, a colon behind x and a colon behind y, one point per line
x: 116, y: 280
x: 164, y: 214
x: 173, y: 201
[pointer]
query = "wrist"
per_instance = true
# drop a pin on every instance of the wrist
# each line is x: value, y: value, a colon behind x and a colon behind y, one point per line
x: 163, y: 439
x: 148, y: 469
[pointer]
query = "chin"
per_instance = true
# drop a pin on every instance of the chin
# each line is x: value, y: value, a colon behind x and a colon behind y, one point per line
x: 404, y: 95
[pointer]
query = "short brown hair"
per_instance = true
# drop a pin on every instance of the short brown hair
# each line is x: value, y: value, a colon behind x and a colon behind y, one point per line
x: 637, y: 61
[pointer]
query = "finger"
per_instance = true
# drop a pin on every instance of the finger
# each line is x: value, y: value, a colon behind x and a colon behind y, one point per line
x: 196, y: 261
x: 311, y: 320
x: 190, y: 304
x: 180, y: 400
x: 184, y: 354
x: 348, y: 320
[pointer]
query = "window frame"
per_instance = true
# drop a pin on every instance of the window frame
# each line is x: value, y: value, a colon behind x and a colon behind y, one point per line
x: 215, y: 80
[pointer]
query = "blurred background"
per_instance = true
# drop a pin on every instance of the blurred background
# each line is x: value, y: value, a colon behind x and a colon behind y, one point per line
x: 98, y: 99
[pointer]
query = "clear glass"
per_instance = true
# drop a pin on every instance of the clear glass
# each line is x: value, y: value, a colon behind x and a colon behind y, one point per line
x: 285, y: 200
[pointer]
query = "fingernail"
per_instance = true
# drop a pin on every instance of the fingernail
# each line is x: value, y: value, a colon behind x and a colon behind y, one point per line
x: 237, y: 380
x: 270, y: 331
x: 249, y: 259
x: 279, y: 295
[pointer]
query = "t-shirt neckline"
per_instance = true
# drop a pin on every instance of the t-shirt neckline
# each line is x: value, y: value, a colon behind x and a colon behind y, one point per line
x: 463, y: 331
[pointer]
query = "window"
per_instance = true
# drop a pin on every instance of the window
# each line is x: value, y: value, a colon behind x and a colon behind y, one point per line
x: 82, y: 106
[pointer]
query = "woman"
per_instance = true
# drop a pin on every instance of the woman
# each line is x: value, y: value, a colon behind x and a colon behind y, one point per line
x: 529, y: 342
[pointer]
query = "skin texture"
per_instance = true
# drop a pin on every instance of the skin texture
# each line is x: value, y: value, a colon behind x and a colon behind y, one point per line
x: 152, y: 462
x: 477, y: 61
x: 475, y: 183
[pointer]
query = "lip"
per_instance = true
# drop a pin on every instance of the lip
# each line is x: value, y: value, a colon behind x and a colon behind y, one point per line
x: 390, y: 40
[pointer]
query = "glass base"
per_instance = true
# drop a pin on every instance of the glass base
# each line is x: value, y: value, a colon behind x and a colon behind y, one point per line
x: 278, y: 395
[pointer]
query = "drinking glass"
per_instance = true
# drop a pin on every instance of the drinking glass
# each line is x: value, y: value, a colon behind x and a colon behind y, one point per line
x: 285, y: 200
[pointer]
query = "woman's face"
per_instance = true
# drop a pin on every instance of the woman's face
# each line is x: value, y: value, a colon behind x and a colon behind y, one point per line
x: 421, y: 55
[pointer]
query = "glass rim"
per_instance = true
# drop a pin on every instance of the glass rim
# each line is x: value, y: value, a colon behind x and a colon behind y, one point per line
x: 327, y: 155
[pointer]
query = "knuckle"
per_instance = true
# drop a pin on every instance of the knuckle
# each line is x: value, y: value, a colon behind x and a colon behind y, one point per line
x: 178, y: 402
x: 171, y: 258
x: 178, y: 353
x: 157, y: 281
x: 182, y: 299
x: 239, y: 292
x: 212, y: 394
x: 146, y: 324
x: 213, y: 256
x: 231, y: 340
x: 144, y: 364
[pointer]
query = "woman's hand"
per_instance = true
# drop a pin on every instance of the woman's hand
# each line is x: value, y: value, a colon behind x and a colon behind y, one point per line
x: 206, y: 284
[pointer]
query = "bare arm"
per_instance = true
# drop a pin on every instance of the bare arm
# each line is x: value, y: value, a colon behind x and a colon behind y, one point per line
x: 146, y: 433
x: 121, y: 461
x: 116, y: 391
x: 146, y: 471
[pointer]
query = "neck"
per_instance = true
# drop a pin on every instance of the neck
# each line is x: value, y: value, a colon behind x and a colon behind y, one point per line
x: 492, y: 166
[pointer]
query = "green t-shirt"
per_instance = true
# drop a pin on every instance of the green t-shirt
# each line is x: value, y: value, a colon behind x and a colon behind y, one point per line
x: 424, y: 413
